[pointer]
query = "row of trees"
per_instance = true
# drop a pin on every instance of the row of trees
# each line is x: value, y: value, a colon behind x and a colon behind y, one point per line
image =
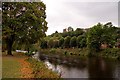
x: 77, y: 32
x: 92, y: 38
x: 66, y: 42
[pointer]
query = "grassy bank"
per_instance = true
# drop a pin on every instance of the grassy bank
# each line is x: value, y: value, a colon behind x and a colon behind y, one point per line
x: 40, y: 70
x: 113, y: 53
x: 10, y: 67
x: 21, y: 66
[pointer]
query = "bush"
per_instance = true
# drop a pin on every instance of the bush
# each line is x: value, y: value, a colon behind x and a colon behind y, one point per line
x: 67, y: 42
x: 56, y: 43
x: 61, y: 41
x: 111, y: 52
x: 65, y: 52
x: 53, y: 50
x: 73, y: 42
x: 43, y: 44
x: 29, y: 54
x: 41, y: 71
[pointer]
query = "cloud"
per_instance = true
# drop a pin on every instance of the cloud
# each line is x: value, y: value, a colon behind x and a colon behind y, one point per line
x: 62, y: 14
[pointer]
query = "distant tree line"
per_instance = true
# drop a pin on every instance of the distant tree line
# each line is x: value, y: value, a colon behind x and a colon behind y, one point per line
x: 70, y: 39
x: 91, y: 38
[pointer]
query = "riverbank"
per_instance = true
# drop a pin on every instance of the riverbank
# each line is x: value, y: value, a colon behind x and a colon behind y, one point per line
x: 110, y: 53
x: 40, y: 70
x: 79, y: 66
x: 15, y: 66
x: 22, y: 66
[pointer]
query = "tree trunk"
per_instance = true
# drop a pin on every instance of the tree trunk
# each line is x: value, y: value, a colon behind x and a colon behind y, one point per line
x: 9, y: 48
x: 9, y: 44
x: 28, y: 50
x: 9, y: 51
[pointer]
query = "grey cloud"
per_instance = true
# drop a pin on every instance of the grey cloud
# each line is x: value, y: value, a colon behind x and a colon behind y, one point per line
x: 97, y: 10
x: 80, y: 14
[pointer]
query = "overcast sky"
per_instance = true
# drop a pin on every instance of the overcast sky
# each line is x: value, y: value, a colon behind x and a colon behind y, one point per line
x: 77, y: 13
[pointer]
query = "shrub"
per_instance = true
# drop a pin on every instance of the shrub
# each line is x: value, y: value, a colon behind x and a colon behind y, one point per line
x: 29, y: 54
x: 43, y: 44
x: 111, y: 52
x: 61, y: 41
x: 73, y: 42
x: 67, y: 42
x: 53, y: 50
x: 65, y: 52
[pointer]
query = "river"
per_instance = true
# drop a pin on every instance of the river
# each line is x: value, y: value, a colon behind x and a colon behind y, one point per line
x: 84, y: 68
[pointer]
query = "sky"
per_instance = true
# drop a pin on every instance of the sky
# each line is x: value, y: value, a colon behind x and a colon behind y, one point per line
x: 79, y: 13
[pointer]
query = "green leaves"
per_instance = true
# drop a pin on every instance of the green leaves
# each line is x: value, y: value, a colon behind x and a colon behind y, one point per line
x: 25, y: 20
x: 101, y: 34
x: 67, y: 41
x: 73, y: 42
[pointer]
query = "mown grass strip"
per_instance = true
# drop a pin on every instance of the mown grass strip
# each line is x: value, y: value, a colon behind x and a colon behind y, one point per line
x: 10, y: 67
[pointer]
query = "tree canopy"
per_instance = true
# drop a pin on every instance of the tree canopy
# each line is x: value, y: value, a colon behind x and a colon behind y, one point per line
x: 23, y: 22
x: 101, y: 34
x: 73, y: 41
x: 67, y: 42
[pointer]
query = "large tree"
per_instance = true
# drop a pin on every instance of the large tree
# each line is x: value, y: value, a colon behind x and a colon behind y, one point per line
x: 67, y: 42
x: 81, y: 41
x: 23, y: 22
x: 51, y: 43
x: 101, y: 34
x: 73, y: 41
x: 94, y: 36
x: 61, y: 41
x: 43, y: 44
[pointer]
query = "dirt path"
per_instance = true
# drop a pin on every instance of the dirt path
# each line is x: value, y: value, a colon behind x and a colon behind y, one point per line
x: 16, y: 67
x: 26, y: 70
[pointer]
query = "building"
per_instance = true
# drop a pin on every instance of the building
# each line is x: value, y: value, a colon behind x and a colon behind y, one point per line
x: 118, y: 43
x: 64, y: 30
x: 104, y: 46
x: 70, y: 29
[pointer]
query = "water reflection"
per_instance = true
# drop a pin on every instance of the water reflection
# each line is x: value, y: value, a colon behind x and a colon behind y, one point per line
x: 67, y: 72
x: 84, y: 68
x: 99, y: 68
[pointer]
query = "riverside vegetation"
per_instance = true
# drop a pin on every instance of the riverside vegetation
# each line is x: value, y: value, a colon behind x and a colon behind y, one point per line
x: 23, y: 28
x: 100, y: 40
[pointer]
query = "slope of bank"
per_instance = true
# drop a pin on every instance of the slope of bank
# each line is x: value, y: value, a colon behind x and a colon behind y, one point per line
x: 21, y: 66
x: 111, y: 53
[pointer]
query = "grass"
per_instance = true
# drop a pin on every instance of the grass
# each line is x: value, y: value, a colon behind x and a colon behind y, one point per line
x: 40, y: 70
x: 10, y: 67
x: 22, y: 66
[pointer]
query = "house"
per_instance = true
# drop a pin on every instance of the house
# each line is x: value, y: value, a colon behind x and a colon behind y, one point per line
x: 104, y: 46
x: 70, y: 29
x: 118, y: 43
x: 64, y: 30
x: 118, y: 39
